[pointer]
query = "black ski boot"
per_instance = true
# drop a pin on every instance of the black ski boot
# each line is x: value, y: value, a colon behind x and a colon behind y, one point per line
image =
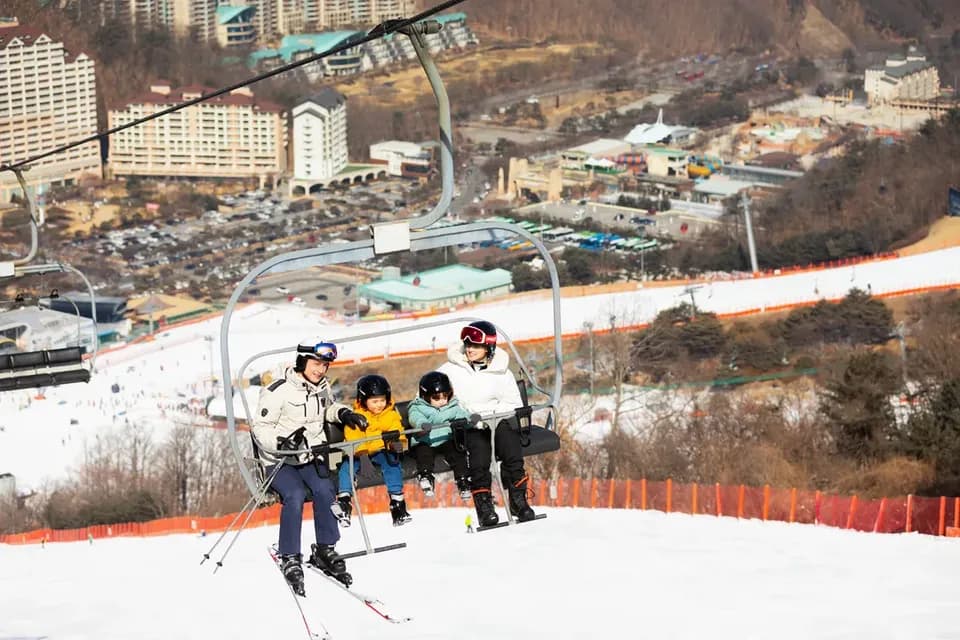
x: 519, y: 507
x: 293, y: 572
x: 486, y: 513
x: 325, y: 558
x: 342, y: 509
x: 398, y: 511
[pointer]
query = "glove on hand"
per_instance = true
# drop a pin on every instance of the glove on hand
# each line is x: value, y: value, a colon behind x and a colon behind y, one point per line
x: 350, y: 419
x: 475, y: 418
x: 425, y: 428
x: 292, y: 442
x: 459, y: 423
x: 396, y: 446
x: 392, y: 440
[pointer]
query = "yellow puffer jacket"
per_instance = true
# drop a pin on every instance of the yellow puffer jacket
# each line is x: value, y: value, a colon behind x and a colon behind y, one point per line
x: 386, y: 420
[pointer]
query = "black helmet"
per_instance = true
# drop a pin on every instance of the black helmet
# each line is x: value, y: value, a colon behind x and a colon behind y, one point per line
x: 480, y: 332
x: 435, y: 382
x: 372, y: 385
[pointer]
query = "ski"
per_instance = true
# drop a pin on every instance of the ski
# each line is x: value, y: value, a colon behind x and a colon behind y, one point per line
x: 539, y: 516
x: 296, y: 598
x: 370, y: 602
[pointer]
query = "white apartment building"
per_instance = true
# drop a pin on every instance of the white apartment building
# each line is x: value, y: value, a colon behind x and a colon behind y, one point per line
x: 320, y: 136
x: 331, y: 14
x: 235, y: 26
x: 903, y: 77
x: 48, y: 97
x: 232, y: 136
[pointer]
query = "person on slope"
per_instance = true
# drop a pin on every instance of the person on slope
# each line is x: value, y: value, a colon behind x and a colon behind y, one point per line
x: 291, y: 416
x: 485, y: 385
x: 435, y: 411
x: 375, y: 403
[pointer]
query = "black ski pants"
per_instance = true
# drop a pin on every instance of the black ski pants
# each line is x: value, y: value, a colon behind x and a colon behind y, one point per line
x: 508, y: 450
x: 457, y: 460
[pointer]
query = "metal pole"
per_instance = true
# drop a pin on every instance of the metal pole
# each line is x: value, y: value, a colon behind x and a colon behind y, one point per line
x: 356, y: 500
x: 750, y: 241
x: 589, y: 328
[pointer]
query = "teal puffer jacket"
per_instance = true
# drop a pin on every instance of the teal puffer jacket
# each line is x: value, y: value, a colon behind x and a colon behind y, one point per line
x: 421, y: 412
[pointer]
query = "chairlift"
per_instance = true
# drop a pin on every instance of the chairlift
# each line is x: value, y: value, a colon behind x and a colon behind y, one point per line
x: 409, y: 235
x: 46, y: 367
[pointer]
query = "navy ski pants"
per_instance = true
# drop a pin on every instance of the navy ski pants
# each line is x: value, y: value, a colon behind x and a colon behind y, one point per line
x: 291, y: 483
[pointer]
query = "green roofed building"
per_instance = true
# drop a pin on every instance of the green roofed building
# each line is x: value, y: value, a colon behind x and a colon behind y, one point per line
x: 436, y: 288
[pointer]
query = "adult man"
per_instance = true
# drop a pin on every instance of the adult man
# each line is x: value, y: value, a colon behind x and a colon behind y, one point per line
x: 481, y: 377
x: 289, y: 430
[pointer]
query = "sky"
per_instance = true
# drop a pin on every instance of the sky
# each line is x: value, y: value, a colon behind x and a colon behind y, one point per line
x: 579, y: 573
x: 165, y: 382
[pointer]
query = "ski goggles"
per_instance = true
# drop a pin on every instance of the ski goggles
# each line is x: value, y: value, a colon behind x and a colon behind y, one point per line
x: 326, y: 351
x: 476, y: 336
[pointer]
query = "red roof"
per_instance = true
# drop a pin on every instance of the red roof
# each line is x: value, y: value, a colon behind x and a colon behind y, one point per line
x: 176, y: 96
x: 23, y: 32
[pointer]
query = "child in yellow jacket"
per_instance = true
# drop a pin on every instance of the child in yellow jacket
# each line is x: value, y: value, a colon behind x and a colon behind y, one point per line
x: 374, y: 402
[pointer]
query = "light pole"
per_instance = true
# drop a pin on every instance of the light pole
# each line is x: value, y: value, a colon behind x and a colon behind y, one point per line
x: 751, y: 244
x: 588, y: 326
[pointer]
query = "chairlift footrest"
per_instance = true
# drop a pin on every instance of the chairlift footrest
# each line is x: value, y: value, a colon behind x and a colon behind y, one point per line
x: 506, y: 523
x: 363, y: 552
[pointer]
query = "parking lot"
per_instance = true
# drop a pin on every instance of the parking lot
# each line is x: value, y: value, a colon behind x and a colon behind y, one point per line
x: 612, y: 216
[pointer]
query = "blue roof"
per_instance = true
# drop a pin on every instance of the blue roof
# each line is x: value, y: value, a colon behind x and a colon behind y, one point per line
x: 459, y: 16
x: 437, y: 284
x: 225, y: 14
x: 319, y: 42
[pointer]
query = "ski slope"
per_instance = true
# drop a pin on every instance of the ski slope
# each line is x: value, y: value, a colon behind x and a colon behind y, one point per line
x: 157, y: 378
x: 578, y: 574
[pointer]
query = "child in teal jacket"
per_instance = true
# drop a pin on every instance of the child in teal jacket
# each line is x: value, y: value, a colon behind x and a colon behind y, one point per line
x: 432, y: 412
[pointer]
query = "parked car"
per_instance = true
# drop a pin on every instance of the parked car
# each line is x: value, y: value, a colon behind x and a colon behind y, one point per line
x: 283, y: 290
x: 321, y: 296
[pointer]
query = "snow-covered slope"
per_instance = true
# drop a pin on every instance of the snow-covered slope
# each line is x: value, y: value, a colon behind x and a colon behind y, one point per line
x: 577, y: 574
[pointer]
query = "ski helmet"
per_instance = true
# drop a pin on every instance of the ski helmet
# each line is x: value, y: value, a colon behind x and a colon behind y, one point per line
x: 480, y: 332
x: 315, y: 349
x: 372, y: 385
x: 435, y: 382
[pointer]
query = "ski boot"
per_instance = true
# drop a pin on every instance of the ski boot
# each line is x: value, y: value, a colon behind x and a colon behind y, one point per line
x: 519, y: 506
x: 398, y: 511
x: 483, y: 503
x: 463, y: 487
x: 325, y: 558
x: 342, y: 509
x: 426, y: 484
x: 293, y: 572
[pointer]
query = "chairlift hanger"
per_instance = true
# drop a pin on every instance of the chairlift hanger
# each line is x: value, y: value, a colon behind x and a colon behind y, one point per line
x: 410, y: 235
x: 47, y: 367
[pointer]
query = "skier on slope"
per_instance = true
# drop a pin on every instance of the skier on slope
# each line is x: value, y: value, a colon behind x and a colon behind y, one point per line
x: 291, y: 416
x: 484, y: 384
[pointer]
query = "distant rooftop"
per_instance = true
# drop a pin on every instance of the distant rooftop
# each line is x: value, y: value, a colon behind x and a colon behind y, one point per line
x: 437, y: 284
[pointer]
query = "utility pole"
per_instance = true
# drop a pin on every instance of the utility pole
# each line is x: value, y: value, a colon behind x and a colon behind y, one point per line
x: 751, y: 244
x: 589, y: 328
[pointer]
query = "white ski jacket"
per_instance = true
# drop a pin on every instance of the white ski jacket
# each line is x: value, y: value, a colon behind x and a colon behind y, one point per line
x: 492, y: 389
x: 288, y: 404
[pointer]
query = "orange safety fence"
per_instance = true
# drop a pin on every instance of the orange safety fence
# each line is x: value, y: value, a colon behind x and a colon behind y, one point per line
x: 932, y: 516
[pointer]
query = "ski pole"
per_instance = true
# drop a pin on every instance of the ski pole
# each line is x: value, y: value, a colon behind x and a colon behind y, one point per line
x: 251, y: 506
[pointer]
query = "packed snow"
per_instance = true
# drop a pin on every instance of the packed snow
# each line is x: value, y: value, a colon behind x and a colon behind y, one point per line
x: 578, y: 574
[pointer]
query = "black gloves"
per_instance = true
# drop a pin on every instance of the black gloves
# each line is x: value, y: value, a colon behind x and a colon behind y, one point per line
x: 293, y: 442
x: 392, y: 440
x: 459, y: 423
x: 425, y: 428
x: 474, y: 418
x: 350, y: 419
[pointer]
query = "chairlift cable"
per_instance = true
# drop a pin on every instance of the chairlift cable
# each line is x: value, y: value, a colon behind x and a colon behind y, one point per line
x: 387, y: 28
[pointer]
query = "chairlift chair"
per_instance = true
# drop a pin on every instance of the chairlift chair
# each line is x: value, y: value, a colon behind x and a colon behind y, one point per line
x: 413, y: 234
x: 46, y: 367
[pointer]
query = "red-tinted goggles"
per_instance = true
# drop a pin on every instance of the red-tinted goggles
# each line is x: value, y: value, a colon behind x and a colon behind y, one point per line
x: 476, y: 336
x: 326, y: 351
